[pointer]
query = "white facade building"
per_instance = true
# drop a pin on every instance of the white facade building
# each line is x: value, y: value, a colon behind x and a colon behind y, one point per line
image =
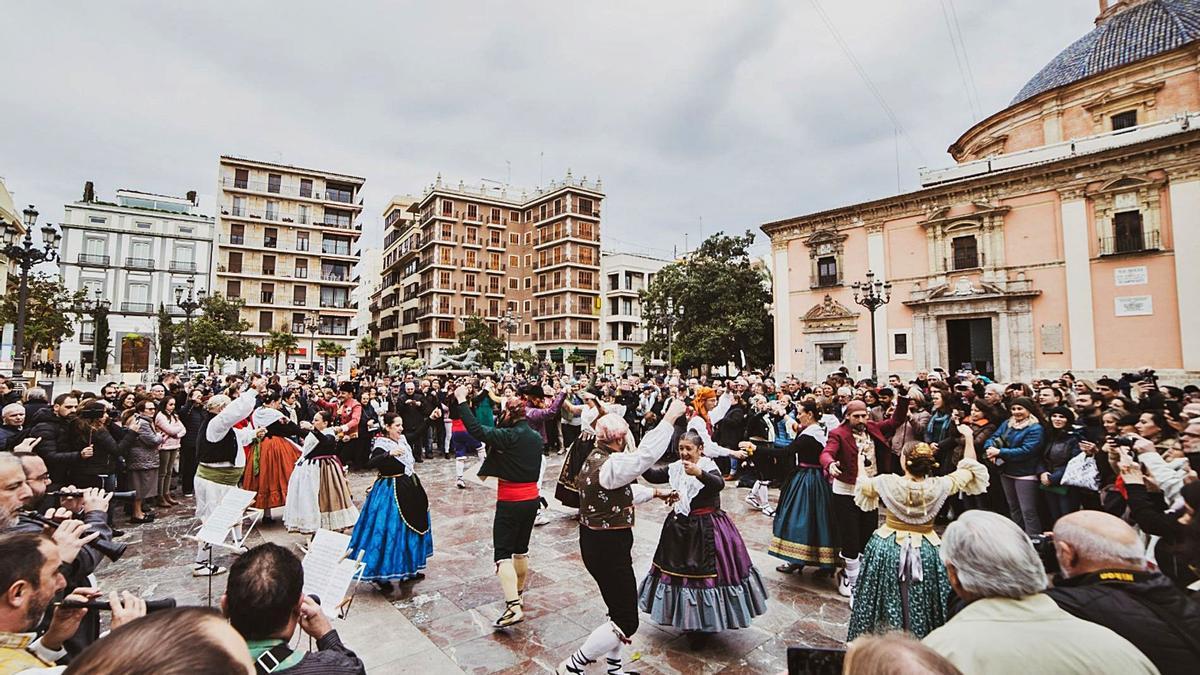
x: 622, y: 331
x: 136, y: 251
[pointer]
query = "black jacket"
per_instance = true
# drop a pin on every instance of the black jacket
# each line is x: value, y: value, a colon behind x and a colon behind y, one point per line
x: 53, y: 430
x: 1142, y: 607
x: 102, y: 461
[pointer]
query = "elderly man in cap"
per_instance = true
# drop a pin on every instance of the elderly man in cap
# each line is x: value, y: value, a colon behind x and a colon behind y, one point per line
x: 221, y: 460
x: 857, y: 435
x: 13, y: 418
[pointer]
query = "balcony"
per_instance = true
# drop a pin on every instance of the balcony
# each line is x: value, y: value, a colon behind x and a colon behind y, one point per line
x: 270, y: 242
x: 335, y: 250
x: 287, y: 218
x: 337, y: 278
x: 139, y: 263
x: 182, y: 266
x: 824, y: 281
x: 137, y: 308
x: 94, y: 259
x: 267, y: 187
x: 555, y: 261
x: 88, y: 338
x: 1131, y: 242
x: 335, y: 304
x: 298, y: 328
x: 266, y: 297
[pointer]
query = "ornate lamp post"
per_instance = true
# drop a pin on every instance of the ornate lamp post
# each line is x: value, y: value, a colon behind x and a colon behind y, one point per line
x: 98, y: 307
x: 27, y: 255
x: 509, y: 321
x: 872, y: 294
x: 312, y: 324
x: 669, y: 318
x: 189, y: 301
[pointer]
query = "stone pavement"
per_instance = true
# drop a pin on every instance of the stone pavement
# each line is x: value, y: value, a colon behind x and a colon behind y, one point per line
x: 443, y: 624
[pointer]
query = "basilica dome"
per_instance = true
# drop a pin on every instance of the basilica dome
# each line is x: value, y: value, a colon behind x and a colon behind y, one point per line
x: 1130, y: 31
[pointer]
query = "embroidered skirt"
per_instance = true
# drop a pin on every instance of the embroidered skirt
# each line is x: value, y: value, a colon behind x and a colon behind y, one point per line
x: 565, y: 491
x: 276, y: 458
x: 802, y: 532
x: 393, y: 529
x: 722, y: 589
x: 879, y: 594
x: 319, y: 497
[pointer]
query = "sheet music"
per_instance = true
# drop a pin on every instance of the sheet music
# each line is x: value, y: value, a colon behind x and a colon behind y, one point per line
x: 226, y: 516
x: 338, y: 586
x: 325, y: 553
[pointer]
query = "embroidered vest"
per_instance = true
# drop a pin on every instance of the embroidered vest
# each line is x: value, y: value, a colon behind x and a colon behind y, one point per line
x: 601, y: 509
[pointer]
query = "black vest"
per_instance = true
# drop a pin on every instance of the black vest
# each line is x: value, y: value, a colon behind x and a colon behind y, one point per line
x: 209, y: 452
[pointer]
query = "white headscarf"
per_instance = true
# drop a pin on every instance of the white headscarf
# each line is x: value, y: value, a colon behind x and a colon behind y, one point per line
x: 686, y: 485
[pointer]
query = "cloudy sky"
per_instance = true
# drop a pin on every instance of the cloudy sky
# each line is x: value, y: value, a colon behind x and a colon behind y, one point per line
x: 699, y: 116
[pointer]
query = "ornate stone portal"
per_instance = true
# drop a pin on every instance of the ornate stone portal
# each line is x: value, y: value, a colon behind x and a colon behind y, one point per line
x: 1008, y: 303
x: 829, y: 326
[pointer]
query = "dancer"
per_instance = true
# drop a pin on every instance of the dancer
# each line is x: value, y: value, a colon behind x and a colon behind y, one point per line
x: 271, y: 459
x: 462, y: 442
x: 221, y: 461
x: 607, y: 495
x: 903, y: 583
x: 591, y: 410
x: 349, y: 417
x: 702, y: 580
x: 393, y: 531
x: 707, y: 410
x: 318, y: 493
x: 857, y: 437
x: 802, y: 532
x: 539, y: 414
x: 514, y: 457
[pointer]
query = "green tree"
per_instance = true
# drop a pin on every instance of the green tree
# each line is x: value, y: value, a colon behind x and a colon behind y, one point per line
x: 280, y: 341
x: 328, y: 349
x: 720, y: 307
x: 217, y: 332
x: 50, y: 314
x: 475, y: 328
x: 369, y: 348
x: 166, y: 338
x: 102, y: 339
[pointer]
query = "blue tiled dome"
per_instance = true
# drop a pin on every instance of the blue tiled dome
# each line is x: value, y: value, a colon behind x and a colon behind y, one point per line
x: 1149, y: 28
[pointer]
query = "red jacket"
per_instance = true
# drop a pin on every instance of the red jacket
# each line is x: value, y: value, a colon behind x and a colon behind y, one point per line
x: 841, y: 448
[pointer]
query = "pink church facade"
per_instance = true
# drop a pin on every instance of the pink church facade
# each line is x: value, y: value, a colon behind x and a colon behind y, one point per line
x: 1066, y: 238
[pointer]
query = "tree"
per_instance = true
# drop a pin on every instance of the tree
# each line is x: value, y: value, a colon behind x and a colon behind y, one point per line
x: 475, y: 328
x: 328, y: 349
x: 101, y: 337
x: 166, y: 338
x: 720, y: 307
x: 50, y: 314
x: 280, y: 341
x: 369, y: 348
x: 217, y: 332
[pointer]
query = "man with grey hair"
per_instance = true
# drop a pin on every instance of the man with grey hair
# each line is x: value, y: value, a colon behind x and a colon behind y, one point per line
x: 1008, y: 625
x: 1105, y: 581
x: 14, y: 491
x: 12, y: 420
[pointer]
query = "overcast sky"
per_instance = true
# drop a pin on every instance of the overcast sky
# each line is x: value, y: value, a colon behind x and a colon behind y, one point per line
x: 737, y: 113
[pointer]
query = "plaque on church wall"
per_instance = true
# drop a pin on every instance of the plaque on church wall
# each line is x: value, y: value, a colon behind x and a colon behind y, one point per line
x: 1052, y: 338
x: 1131, y: 276
x: 1134, y: 305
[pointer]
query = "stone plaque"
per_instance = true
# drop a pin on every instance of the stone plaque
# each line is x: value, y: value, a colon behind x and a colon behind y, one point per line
x: 1052, y: 338
x: 1130, y: 276
x: 1134, y: 305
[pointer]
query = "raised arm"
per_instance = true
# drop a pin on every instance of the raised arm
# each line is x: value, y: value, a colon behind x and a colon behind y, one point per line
x: 493, y: 436
x: 549, y: 412
x: 237, y: 410
x: 711, y: 449
x: 622, y: 468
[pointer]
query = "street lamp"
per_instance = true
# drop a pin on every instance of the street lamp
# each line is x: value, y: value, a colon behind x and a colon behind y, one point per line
x: 189, y: 301
x: 872, y: 294
x: 669, y: 318
x: 509, y: 321
x: 312, y: 324
x: 98, y: 308
x: 27, y: 255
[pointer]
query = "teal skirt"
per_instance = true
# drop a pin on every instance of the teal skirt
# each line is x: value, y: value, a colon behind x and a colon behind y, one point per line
x: 879, y: 594
x: 802, y: 532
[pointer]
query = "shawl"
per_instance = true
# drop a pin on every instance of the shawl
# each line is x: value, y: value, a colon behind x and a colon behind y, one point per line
x: 388, y: 445
x: 687, y: 486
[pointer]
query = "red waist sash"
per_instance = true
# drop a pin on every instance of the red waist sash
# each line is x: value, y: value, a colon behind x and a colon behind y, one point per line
x: 508, y: 491
x: 703, y: 511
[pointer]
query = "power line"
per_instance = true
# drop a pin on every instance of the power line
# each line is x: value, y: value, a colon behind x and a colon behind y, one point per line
x: 962, y: 71
x: 966, y: 59
x: 862, y: 73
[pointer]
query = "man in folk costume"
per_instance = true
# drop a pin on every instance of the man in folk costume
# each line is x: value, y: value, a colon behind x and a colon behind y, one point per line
x: 349, y: 416
x: 221, y: 459
x: 607, y: 494
x: 857, y: 435
x: 538, y: 414
x: 514, y: 457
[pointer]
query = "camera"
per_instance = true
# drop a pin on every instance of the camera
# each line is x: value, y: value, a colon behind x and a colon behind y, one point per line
x: 1122, y: 441
x: 1148, y: 374
x: 1044, y: 545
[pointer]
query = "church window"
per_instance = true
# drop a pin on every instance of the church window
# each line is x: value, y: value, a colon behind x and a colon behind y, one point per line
x: 1124, y: 120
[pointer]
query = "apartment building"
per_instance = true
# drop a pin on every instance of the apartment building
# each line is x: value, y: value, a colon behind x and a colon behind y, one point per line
x: 398, y: 273
x: 624, y: 276
x: 487, y: 251
x: 135, y: 251
x: 288, y: 248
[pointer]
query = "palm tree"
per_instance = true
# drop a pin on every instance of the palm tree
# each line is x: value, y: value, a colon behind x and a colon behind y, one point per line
x: 327, y: 349
x: 280, y: 341
x: 369, y: 347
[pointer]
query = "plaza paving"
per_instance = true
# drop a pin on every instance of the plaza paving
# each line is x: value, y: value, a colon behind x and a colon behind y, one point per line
x: 443, y: 624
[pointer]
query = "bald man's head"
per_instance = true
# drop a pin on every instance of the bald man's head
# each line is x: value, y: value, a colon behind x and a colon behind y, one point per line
x: 1091, y: 541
